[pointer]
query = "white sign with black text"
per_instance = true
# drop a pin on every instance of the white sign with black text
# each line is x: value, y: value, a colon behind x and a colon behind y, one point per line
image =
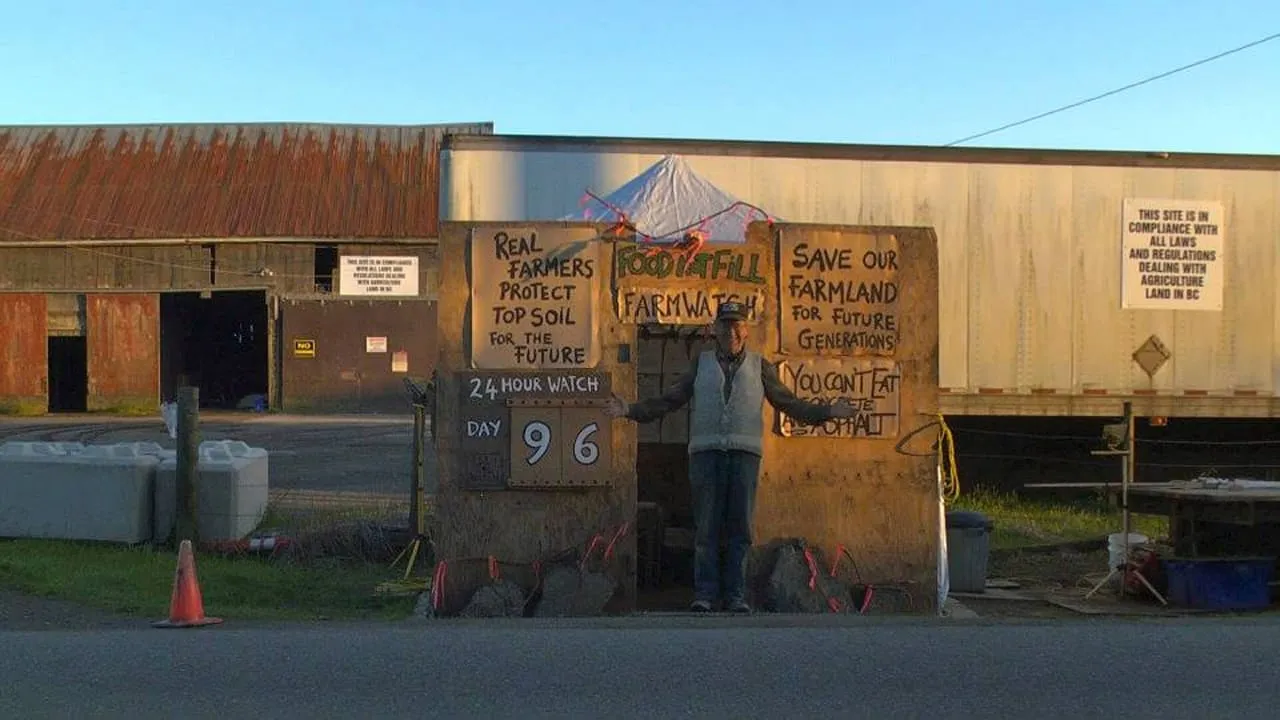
x: 1173, y: 255
x: 378, y: 276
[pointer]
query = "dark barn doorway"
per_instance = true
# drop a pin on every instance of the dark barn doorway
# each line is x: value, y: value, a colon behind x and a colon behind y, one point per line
x: 67, y: 353
x: 68, y: 374
x: 217, y: 342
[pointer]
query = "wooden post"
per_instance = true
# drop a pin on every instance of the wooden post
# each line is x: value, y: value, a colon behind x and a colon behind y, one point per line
x: 1126, y: 479
x: 419, y: 462
x: 185, y: 526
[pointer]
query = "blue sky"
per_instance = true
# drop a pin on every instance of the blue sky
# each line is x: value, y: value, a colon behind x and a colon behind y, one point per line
x: 925, y: 72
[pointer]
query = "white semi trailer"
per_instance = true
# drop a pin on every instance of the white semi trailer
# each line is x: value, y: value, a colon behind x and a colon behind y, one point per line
x: 1070, y: 281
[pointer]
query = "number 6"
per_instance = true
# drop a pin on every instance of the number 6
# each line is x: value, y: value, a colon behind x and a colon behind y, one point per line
x: 586, y: 452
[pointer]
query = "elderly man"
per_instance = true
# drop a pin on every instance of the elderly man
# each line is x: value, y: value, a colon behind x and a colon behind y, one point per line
x: 728, y: 387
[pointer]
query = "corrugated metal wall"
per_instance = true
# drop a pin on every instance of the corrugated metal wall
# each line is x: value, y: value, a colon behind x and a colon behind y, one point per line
x: 282, y: 270
x: 123, y: 336
x: 24, y: 349
x: 285, y: 269
x: 1029, y: 254
x: 340, y: 373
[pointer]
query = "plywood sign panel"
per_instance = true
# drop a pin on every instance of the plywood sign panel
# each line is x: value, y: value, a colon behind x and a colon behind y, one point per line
x: 533, y: 298
x: 670, y: 287
x: 849, y: 485
x: 487, y: 444
x: 838, y: 292
x: 525, y: 523
x: 872, y: 385
x: 560, y: 444
x: 585, y: 444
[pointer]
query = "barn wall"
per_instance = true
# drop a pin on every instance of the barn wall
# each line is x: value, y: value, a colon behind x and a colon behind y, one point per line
x: 340, y: 373
x: 285, y: 268
x: 123, y: 343
x: 24, y: 384
x: 104, y: 268
x: 1029, y: 258
x: 285, y: 271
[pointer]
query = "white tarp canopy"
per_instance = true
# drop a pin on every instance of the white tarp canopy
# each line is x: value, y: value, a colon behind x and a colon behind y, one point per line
x: 668, y: 200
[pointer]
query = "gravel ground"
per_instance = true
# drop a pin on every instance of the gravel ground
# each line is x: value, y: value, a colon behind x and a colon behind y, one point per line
x: 24, y: 612
x: 1061, y: 571
x: 1061, y: 574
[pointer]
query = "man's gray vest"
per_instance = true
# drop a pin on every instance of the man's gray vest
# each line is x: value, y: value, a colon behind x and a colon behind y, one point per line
x: 738, y: 424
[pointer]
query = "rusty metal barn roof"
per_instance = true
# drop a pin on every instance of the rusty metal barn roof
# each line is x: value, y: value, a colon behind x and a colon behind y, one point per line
x: 221, y: 181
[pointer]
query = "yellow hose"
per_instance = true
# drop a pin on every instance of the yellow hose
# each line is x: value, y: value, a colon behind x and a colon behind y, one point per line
x: 947, y: 461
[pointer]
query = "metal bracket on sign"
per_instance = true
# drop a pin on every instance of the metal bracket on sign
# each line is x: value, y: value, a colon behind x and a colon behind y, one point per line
x: 558, y: 402
x: 560, y: 486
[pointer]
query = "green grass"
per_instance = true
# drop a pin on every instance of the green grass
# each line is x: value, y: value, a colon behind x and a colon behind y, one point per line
x: 23, y: 407
x: 1023, y: 522
x: 138, y: 581
x: 125, y: 407
x: 326, y: 579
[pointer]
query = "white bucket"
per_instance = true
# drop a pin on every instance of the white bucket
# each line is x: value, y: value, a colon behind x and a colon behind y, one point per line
x: 1115, y: 546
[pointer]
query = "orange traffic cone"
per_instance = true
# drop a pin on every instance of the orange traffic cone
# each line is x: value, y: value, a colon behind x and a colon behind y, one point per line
x: 186, y: 607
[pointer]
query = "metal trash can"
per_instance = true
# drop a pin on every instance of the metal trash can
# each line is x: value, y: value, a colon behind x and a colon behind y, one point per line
x: 968, y: 549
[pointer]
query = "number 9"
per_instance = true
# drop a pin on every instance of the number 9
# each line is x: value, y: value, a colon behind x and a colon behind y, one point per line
x: 586, y: 452
x: 537, y: 437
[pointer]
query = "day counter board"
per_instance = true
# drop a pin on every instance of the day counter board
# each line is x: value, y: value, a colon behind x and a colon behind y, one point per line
x: 542, y: 429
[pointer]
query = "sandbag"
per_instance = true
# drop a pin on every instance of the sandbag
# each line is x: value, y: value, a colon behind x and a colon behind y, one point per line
x: 582, y: 587
x: 456, y: 586
x: 802, y: 580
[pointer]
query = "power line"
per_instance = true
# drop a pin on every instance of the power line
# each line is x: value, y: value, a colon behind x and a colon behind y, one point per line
x: 1116, y: 91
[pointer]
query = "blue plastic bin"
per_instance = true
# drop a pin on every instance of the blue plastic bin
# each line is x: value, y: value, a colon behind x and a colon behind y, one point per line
x: 1239, y: 583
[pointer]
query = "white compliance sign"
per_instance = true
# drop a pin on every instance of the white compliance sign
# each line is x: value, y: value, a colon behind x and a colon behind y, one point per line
x: 1173, y: 255
x: 388, y: 276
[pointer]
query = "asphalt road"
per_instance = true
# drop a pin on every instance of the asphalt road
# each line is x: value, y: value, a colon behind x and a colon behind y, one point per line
x: 367, y: 454
x: 647, y: 668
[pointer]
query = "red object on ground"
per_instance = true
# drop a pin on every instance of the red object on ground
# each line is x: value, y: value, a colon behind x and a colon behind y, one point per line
x: 257, y: 543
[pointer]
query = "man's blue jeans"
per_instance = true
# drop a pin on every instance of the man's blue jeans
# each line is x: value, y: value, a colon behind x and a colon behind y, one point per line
x: 724, y: 498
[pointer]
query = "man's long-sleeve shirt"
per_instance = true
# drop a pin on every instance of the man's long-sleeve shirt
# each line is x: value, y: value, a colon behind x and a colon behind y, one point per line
x: 778, y: 395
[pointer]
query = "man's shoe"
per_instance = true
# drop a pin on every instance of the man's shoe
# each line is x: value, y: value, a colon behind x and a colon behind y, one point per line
x: 739, y: 606
x: 700, y: 606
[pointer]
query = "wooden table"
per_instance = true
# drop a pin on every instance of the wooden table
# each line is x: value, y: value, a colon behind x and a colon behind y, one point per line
x: 1188, y: 505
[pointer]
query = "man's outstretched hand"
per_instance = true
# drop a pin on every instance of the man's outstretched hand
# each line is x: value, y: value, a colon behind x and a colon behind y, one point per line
x: 841, y: 409
x: 616, y: 408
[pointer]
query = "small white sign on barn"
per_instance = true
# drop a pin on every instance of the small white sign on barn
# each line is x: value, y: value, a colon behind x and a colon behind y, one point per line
x: 1174, y: 255
x: 378, y: 276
